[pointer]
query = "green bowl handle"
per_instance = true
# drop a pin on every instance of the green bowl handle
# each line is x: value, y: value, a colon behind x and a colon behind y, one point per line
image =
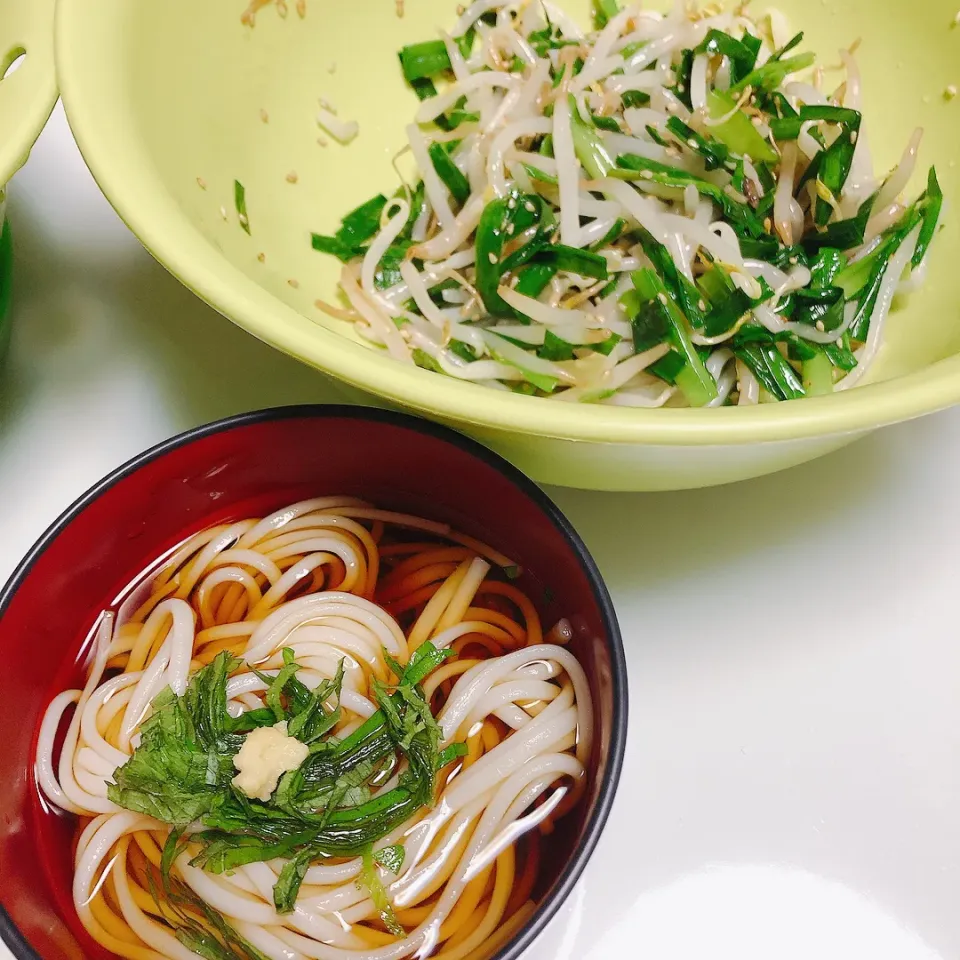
x: 27, y: 95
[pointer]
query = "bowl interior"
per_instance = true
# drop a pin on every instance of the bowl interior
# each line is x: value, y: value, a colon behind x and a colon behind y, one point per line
x: 28, y: 83
x: 173, y: 101
x: 256, y: 465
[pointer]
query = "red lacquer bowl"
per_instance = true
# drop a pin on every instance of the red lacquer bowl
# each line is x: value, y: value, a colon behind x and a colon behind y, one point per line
x: 248, y: 466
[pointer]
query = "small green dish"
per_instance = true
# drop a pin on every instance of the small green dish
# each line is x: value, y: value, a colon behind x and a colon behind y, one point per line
x: 28, y: 92
x: 172, y: 101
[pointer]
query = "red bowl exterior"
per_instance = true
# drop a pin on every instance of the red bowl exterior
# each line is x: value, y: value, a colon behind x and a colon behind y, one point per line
x: 248, y: 466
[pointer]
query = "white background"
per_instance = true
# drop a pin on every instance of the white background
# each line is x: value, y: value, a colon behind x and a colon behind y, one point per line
x: 793, y: 774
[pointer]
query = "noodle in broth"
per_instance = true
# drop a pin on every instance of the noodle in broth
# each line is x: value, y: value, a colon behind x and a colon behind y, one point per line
x: 344, y: 603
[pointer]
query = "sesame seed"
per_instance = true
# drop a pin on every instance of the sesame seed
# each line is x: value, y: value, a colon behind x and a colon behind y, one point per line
x: 223, y: 212
x: 839, y: 341
x: 294, y: 283
x: 756, y: 121
x: 492, y: 257
x: 400, y: 8
x: 321, y: 141
x: 529, y: 207
x: 794, y: 261
x: 662, y: 297
x: 702, y: 305
x: 292, y: 177
x: 282, y: 7
x: 956, y: 19
x: 244, y: 219
x: 301, y: 8
x: 264, y: 116
x: 511, y: 228
x: 646, y: 174
x: 262, y: 257
x: 692, y: 143
x: 511, y: 204
x: 820, y: 326
x: 201, y: 183
x: 950, y: 92
x: 853, y: 136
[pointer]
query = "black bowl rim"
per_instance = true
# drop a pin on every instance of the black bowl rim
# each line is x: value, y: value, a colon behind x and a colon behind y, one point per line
x: 545, y: 912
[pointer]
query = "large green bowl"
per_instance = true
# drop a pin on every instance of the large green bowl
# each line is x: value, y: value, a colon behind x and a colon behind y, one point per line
x: 28, y: 91
x: 171, y: 101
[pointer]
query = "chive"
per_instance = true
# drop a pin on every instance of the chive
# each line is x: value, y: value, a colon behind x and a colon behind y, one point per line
x: 931, y: 215
x: 362, y: 223
x: 737, y: 132
x: 698, y: 387
x: 791, y: 44
x: 535, y: 278
x: 714, y: 152
x: 635, y: 98
x: 668, y: 367
x: 535, y: 173
x: 447, y: 170
x: 684, y: 72
x: 240, y: 202
x: 654, y: 134
x: 584, y: 263
x: 767, y: 364
x: 611, y: 236
x: 546, y: 147
x: 465, y: 43
x: 772, y: 74
x: 519, y: 211
x: 741, y: 53
x: 818, y: 375
x: 842, y: 234
x: 605, y: 123
x: 555, y: 348
x: 606, y: 346
x: 604, y: 11
x: 683, y: 293
x: 420, y: 61
x: 632, y: 167
x: 334, y: 246
x: 588, y: 146
x: 841, y: 356
x: 788, y: 128
x: 423, y: 360
x: 463, y: 350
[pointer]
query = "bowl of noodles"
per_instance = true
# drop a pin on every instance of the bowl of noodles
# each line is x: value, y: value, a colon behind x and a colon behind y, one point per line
x: 316, y: 682
x: 629, y: 246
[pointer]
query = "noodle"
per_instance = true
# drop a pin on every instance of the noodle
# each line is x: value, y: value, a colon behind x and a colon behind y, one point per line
x: 340, y: 598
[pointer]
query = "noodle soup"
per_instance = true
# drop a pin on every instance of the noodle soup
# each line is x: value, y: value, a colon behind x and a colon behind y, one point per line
x: 334, y: 731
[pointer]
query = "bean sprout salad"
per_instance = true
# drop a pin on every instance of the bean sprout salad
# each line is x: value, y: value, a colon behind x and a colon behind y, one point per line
x: 673, y: 209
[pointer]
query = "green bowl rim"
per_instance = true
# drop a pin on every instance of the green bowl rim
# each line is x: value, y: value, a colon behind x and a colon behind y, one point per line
x: 175, y: 240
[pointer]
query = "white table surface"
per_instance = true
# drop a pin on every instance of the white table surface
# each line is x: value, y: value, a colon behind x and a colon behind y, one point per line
x: 793, y: 777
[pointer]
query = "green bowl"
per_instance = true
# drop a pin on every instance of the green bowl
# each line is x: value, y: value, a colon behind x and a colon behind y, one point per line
x: 171, y: 101
x: 28, y: 91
